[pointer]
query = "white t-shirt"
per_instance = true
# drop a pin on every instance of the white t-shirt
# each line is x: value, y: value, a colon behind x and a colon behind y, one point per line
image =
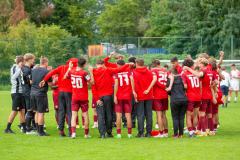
x: 226, y: 81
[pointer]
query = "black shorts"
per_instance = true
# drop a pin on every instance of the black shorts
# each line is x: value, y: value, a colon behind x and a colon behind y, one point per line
x: 225, y: 90
x: 27, y: 100
x: 39, y: 103
x: 17, y: 101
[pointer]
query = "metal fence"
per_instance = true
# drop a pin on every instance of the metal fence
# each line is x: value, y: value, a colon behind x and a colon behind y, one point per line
x: 61, y: 49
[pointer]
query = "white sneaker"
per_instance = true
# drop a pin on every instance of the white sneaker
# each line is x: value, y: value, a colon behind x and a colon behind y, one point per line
x: 31, y: 133
x: 118, y: 136
x: 87, y: 136
x: 159, y: 136
x: 186, y: 131
x: 83, y: 127
x: 73, y: 136
x: 129, y: 135
x: 77, y: 126
x: 165, y: 135
x: 156, y: 126
x: 95, y: 125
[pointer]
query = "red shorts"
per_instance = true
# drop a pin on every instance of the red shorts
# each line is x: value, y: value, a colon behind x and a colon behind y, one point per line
x: 206, y: 106
x: 192, y: 105
x: 55, y: 101
x: 94, y: 103
x: 160, y: 104
x: 123, y: 106
x: 219, y: 98
x: 215, y: 108
x: 77, y: 104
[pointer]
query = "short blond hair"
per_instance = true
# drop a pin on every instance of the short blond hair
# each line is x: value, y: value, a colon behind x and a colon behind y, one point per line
x: 28, y: 56
x: 203, y: 61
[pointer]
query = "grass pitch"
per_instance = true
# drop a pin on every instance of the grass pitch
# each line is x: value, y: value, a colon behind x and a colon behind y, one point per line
x: 225, y: 145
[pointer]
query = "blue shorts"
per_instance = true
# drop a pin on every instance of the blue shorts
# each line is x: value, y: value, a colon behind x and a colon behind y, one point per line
x: 225, y: 90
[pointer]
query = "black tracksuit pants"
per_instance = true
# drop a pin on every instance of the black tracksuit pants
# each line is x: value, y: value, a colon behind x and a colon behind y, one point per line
x: 178, y: 110
x: 105, y: 115
x: 65, y: 100
x: 144, y: 109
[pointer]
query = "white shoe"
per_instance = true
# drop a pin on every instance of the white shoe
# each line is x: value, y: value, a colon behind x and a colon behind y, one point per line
x: 77, y: 126
x: 159, y: 136
x: 129, y: 135
x: 95, y: 125
x: 73, y: 136
x: 165, y: 135
x: 31, y: 133
x: 87, y: 136
x: 83, y: 127
x: 186, y: 131
x: 156, y: 126
x: 118, y: 136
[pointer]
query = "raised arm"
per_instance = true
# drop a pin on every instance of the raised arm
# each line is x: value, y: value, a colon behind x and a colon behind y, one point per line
x: 109, y: 64
x: 196, y: 73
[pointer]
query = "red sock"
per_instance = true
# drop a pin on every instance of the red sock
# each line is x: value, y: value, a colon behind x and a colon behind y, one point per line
x: 73, y: 129
x: 160, y: 132
x: 77, y: 121
x: 118, y: 131
x: 210, y: 124
x: 129, y: 130
x: 190, y: 129
x: 86, y: 131
x: 95, y: 118
x: 199, y: 127
x: 206, y: 123
x: 215, y: 126
x: 203, y: 124
x: 165, y: 131
x: 67, y: 119
x: 83, y: 121
x: 194, y: 128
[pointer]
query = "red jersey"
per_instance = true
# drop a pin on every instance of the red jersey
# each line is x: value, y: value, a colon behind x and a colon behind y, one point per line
x: 79, y: 79
x: 64, y: 85
x: 217, y: 77
x: 142, y: 79
x: 124, y: 91
x: 206, y: 84
x: 94, y: 92
x: 109, y: 64
x: 159, y: 91
x: 103, y: 78
x: 179, y: 69
x: 193, y: 91
x: 55, y: 84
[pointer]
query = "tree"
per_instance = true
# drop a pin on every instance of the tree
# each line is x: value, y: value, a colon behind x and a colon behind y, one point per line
x: 119, y: 19
x: 5, y: 10
x: 18, y: 14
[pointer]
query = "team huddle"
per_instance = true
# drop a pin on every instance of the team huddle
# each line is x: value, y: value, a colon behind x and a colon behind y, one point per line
x: 121, y: 92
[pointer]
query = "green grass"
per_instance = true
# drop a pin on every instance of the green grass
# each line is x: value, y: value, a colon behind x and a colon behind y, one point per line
x: 225, y: 145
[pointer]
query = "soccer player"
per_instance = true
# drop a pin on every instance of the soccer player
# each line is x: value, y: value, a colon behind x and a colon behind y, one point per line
x: 224, y: 84
x: 65, y: 94
x: 29, y: 60
x: 79, y: 80
x: 39, y: 99
x: 178, y: 104
x: 103, y: 80
x: 208, y: 96
x: 176, y: 65
x: 160, y: 96
x: 234, y: 84
x: 94, y: 105
x: 219, y: 77
x: 193, y: 92
x: 55, y: 94
x: 122, y: 99
x: 17, y: 95
x: 143, y: 81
